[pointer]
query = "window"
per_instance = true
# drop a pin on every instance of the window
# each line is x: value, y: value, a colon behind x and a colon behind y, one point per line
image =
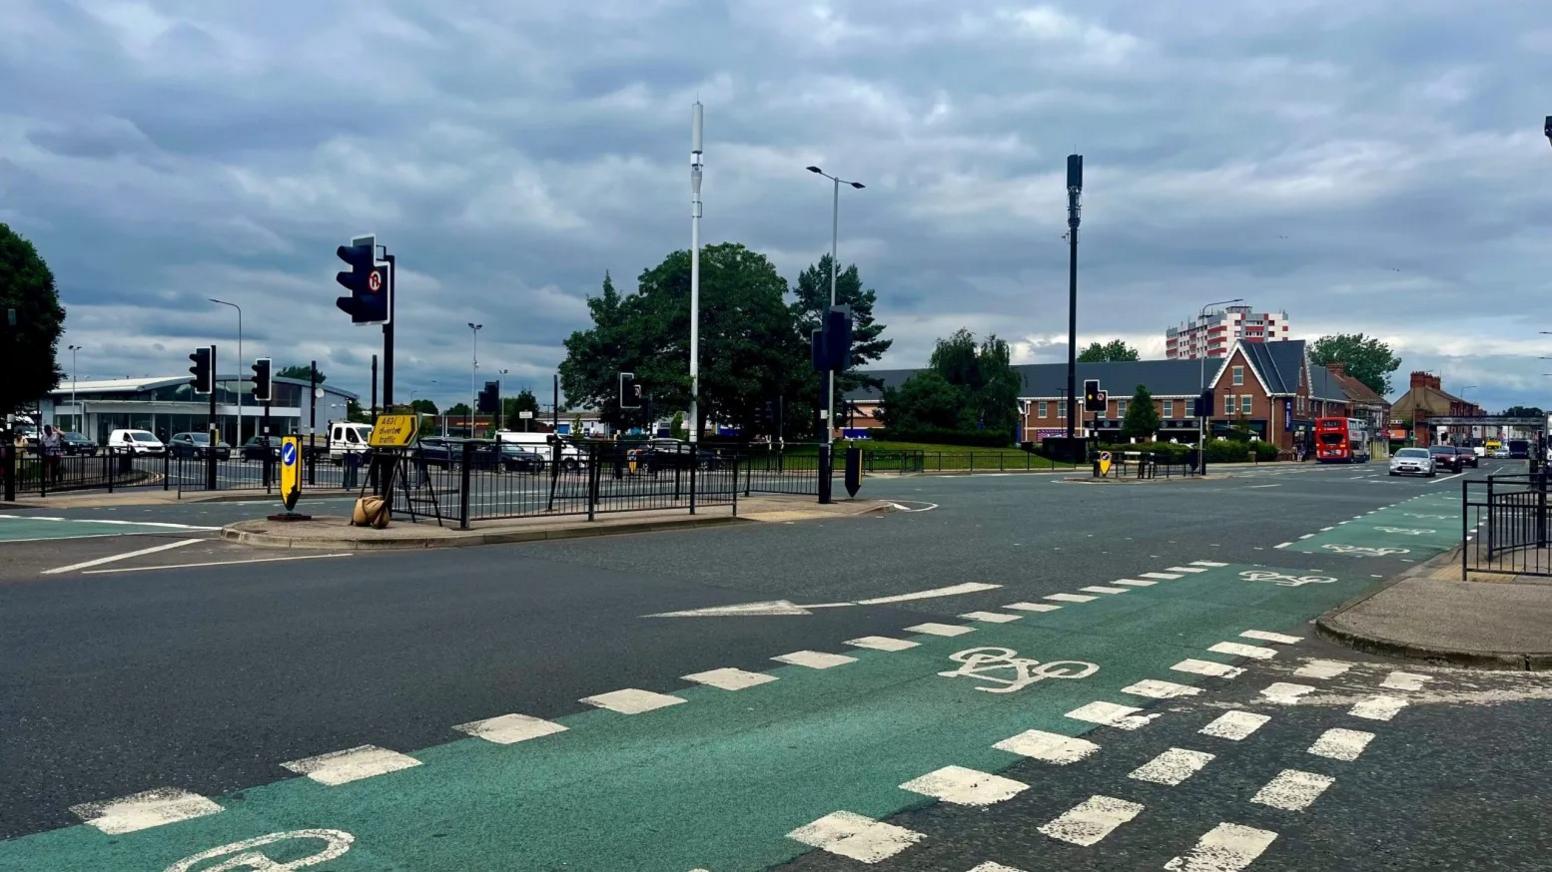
x: 1121, y: 408
x: 1244, y: 403
x: 1061, y: 409
x: 1228, y: 404
x: 1169, y: 408
x: 1239, y: 376
x: 1043, y: 408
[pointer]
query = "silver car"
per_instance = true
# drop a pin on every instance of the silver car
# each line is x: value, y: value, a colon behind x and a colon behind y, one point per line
x: 1412, y: 461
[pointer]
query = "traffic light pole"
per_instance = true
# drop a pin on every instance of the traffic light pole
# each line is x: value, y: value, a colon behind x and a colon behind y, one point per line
x: 215, y: 432
x: 393, y: 301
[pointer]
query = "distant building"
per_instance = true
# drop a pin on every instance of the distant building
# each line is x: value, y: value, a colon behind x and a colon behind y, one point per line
x: 1215, y: 334
x: 1426, y: 398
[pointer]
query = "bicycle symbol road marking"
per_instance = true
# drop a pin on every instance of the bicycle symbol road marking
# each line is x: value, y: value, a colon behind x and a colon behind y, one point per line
x: 1363, y: 551
x: 1283, y: 579
x: 1003, y: 666
x: 1405, y: 531
x: 238, y: 856
x: 1435, y: 517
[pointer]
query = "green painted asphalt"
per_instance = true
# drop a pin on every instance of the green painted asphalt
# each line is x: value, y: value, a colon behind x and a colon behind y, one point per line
x: 717, y: 782
x: 1425, y: 525
x: 30, y: 528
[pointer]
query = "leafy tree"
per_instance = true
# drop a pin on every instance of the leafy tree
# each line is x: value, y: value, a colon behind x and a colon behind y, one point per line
x: 1115, y: 349
x: 26, y: 350
x: 1524, y: 412
x: 968, y: 386
x: 423, y: 406
x: 355, y: 414
x: 1142, y: 420
x: 525, y: 401
x: 676, y: 428
x: 927, y: 401
x: 457, y: 410
x: 1367, y: 359
x: 812, y: 294
x: 301, y: 371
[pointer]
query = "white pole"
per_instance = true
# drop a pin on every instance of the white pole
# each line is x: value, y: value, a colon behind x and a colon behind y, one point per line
x: 835, y: 235
x: 695, y: 271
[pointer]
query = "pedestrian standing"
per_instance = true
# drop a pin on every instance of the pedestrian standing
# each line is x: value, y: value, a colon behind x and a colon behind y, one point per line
x: 52, y: 448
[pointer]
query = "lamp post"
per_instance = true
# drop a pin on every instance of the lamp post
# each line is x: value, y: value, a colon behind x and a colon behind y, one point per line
x: 695, y: 274
x: 1074, y: 214
x: 835, y: 234
x: 74, y: 408
x: 214, y: 377
x: 501, y: 372
x: 474, y: 374
x: 1201, y: 383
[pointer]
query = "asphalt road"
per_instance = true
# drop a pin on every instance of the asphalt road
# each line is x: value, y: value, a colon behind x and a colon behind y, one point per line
x: 149, y: 673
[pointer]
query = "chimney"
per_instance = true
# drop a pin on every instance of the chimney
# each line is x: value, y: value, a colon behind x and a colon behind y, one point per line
x: 1422, y: 379
x: 1339, y: 369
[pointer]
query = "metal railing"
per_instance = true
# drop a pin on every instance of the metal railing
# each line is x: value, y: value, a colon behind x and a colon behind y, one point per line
x: 1504, y: 525
x: 28, y: 473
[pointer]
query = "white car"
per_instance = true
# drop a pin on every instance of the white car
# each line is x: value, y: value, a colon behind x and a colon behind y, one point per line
x: 1412, y: 461
x: 136, y: 441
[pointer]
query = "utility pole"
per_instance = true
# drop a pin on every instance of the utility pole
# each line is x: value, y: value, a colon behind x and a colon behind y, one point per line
x: 695, y: 272
x: 1074, y: 207
x: 393, y: 303
x: 374, y: 389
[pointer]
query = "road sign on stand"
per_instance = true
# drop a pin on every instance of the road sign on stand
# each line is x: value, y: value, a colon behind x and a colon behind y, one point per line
x: 290, y: 478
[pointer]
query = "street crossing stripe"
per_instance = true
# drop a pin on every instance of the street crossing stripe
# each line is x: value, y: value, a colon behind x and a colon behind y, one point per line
x: 1162, y: 576
x: 1378, y: 708
x: 141, y: 811
x: 352, y: 764
x: 1172, y: 766
x: 1293, y: 790
x: 1405, y: 681
x: 1091, y: 820
x: 1285, y: 693
x: 854, y: 836
x: 1153, y: 688
x: 1069, y: 598
x: 814, y: 659
x: 1048, y: 747
x: 1212, y: 563
x: 991, y: 617
x: 729, y: 678
x: 961, y: 786
x: 510, y: 729
x: 1100, y: 588
x: 1264, y: 636
x: 1225, y: 848
x: 1241, y: 650
x: 1187, y: 569
x: 1322, y: 669
x: 1134, y: 582
x: 1340, y: 744
x: 1032, y: 607
x: 1235, y: 725
x: 1109, y: 714
x: 882, y: 643
x: 1207, y: 667
x: 631, y: 701
x: 934, y: 629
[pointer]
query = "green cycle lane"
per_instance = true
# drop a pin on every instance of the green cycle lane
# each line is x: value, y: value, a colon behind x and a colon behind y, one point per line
x: 1413, y: 530
x: 718, y: 781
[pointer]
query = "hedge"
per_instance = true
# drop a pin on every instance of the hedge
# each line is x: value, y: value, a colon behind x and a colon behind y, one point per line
x: 971, y: 438
x: 1227, y: 451
x: 1176, y: 451
x: 1265, y: 451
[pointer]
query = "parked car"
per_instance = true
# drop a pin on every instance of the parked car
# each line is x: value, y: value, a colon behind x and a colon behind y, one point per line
x: 1500, y: 453
x: 438, y: 451
x: 77, y: 443
x: 196, y: 445
x: 1446, y: 457
x: 1469, y: 458
x: 259, y: 447
x: 1412, y: 461
x: 520, y: 458
x: 136, y: 442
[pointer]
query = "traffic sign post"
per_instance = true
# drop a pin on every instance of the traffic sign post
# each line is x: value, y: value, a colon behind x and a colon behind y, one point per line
x: 290, y: 478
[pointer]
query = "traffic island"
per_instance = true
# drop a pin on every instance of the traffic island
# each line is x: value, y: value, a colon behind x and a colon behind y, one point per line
x: 336, y: 533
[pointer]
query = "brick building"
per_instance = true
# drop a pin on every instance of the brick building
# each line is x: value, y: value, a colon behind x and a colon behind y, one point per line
x: 1216, y: 333
x: 1426, y: 398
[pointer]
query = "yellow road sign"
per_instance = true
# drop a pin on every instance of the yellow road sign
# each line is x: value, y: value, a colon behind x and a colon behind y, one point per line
x: 1104, y: 463
x: 394, y: 431
x: 290, y: 470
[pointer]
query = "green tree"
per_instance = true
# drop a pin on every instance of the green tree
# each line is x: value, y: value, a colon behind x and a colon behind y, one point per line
x: 1524, y: 412
x: 525, y: 401
x: 812, y: 297
x: 27, y: 349
x: 968, y: 386
x: 457, y: 410
x: 927, y: 401
x: 1142, y: 419
x: 355, y: 414
x: 1099, y: 352
x: 423, y: 406
x: 301, y: 371
x: 1367, y: 359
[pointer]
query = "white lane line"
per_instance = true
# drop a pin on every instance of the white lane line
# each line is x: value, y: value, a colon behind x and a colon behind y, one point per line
x: 1340, y: 744
x: 989, y: 866
x: 141, y: 811
x: 1161, y: 576
x: 1293, y: 790
x: 1284, y: 693
x: 352, y: 764
x: 1153, y: 688
x: 165, y: 525
x: 1186, y: 569
x: 1048, y: 747
x: 1208, y: 667
x: 1377, y: 708
x: 631, y: 701
x: 854, y: 836
x: 1282, y: 545
x: 1091, y: 820
x: 814, y: 659
x: 1212, y: 563
x: 1235, y: 725
x: 1135, y: 582
x: 1241, y: 650
x: 952, y: 590
x: 992, y: 617
x: 1172, y: 766
x: 934, y: 629
x: 1225, y: 848
x: 1405, y: 681
x: 1307, y: 536
x: 1069, y: 598
x: 1322, y: 669
x: 729, y: 678
x: 1326, y: 529
x: 217, y: 563
x: 113, y: 558
x: 882, y: 643
x: 1100, y: 588
x: 1254, y: 486
x: 1109, y: 714
x: 1447, y: 478
x: 510, y: 729
x: 1265, y: 636
x: 1032, y: 607
x: 962, y: 786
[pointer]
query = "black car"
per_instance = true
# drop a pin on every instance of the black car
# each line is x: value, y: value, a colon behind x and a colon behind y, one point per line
x: 196, y: 445
x: 77, y: 443
x: 517, y: 458
x: 260, y: 447
x: 1446, y: 457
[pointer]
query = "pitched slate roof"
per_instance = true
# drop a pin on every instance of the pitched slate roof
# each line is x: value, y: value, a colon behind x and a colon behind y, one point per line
x: 1356, y: 390
x: 1163, y: 378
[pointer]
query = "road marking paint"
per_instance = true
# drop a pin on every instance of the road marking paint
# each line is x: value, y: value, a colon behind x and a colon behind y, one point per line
x: 1447, y: 478
x: 1134, y: 582
x: 510, y: 729
x: 1070, y: 598
x: 1091, y: 820
x: 1378, y: 708
x: 1284, y: 693
x: 934, y: 629
x: 1293, y: 790
x: 787, y: 607
x: 631, y: 701
x: 1307, y: 536
x: 1282, y: 545
x: 165, y: 525
x: 217, y: 563
x: 854, y: 836
x: 992, y: 617
x: 989, y: 866
x: 1322, y: 669
x: 1340, y: 744
x: 882, y: 643
x: 1161, y: 576
x: 1241, y: 650
x: 1326, y: 529
x: 352, y: 764
x: 1225, y: 848
x: 1032, y: 607
x: 814, y: 659
x: 962, y: 786
x: 952, y: 590
x: 1212, y: 563
x: 1235, y: 725
x: 1208, y: 667
x: 729, y: 678
x: 1265, y: 636
x: 1186, y: 569
x: 1172, y: 766
x: 141, y: 811
x: 1255, y: 486
x: 113, y: 558
x: 1100, y: 588
x: 1049, y: 747
x: 1109, y: 714
x: 1153, y: 688
x: 1405, y: 681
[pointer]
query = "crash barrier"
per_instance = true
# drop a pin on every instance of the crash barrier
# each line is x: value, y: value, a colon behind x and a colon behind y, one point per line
x: 1504, y: 525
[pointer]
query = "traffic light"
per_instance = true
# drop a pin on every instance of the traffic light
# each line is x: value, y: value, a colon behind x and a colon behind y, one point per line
x: 830, y: 345
x: 1204, y: 405
x: 1094, y: 399
x: 263, y: 386
x: 370, y: 284
x: 490, y: 398
x: 204, y: 369
x: 630, y: 391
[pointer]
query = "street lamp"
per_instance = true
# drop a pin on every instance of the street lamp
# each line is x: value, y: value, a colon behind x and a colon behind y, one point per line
x: 213, y: 376
x: 474, y: 375
x: 501, y: 372
x: 1201, y: 380
x: 696, y: 118
x: 835, y: 232
x: 74, y: 408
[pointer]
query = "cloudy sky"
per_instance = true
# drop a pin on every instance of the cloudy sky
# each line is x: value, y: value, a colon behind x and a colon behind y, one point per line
x: 1365, y: 166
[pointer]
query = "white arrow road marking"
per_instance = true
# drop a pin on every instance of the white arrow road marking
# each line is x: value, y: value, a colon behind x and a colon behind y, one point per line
x: 900, y: 508
x: 787, y: 607
x: 113, y: 558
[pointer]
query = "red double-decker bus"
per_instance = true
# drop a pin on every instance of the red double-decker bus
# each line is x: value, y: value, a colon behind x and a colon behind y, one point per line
x: 1341, y: 440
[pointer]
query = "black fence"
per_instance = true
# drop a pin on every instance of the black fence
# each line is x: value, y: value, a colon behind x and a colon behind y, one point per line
x: 1152, y: 464
x: 28, y: 473
x: 1504, y: 525
x: 788, y: 469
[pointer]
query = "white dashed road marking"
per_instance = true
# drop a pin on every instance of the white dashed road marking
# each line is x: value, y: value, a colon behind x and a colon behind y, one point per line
x: 1109, y: 714
x: 730, y: 678
x: 1153, y: 688
x: 855, y: 836
x: 932, y: 629
x: 1378, y: 708
x: 352, y: 764
x: 1225, y: 848
x: 1235, y: 725
x: 1161, y: 576
x: 1172, y: 766
x: 142, y: 811
x: 1091, y: 820
x: 1100, y: 588
x: 1212, y: 563
x: 1208, y: 667
x: 1405, y: 681
x: 1049, y: 747
x: 961, y: 786
x: 994, y: 867
x: 1264, y: 636
x: 1293, y: 790
x: 1070, y: 598
x: 1239, y: 649
x: 631, y: 701
x: 882, y: 643
x: 1032, y: 607
x: 1285, y: 693
x: 510, y: 729
x: 1187, y: 569
x: 1340, y: 744
x: 1135, y: 582
x: 814, y: 659
x: 991, y: 617
x: 1322, y: 669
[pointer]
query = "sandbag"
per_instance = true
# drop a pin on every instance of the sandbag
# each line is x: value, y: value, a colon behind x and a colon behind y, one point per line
x: 370, y: 512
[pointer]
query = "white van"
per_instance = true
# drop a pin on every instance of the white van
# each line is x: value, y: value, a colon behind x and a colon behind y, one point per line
x: 347, y: 438
x: 570, y: 455
x: 136, y: 441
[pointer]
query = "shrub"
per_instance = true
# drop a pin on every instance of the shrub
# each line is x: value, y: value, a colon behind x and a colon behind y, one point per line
x: 1227, y: 451
x: 1265, y: 451
x: 1175, y: 451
